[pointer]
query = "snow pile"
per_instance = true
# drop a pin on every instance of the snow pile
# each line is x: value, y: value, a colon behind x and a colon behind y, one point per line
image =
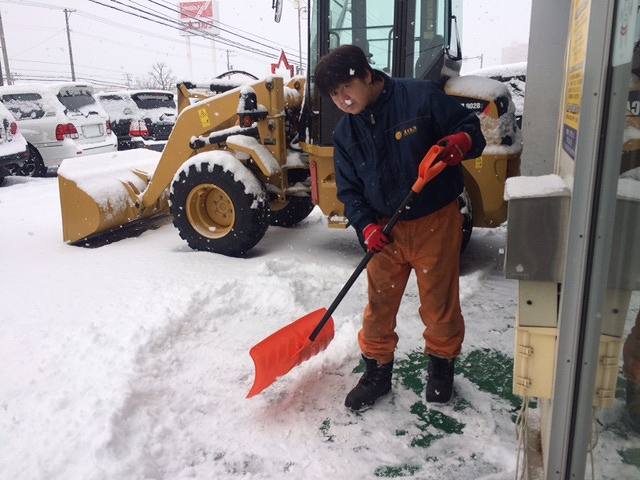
x: 541, y: 186
x: 475, y: 87
x: 500, y: 72
x: 264, y: 155
x: 297, y: 160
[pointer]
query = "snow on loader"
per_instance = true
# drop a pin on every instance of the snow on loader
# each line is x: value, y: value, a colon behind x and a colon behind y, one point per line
x: 228, y: 170
x: 224, y: 175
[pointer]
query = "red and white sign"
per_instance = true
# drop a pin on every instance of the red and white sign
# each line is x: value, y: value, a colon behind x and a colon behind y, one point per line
x: 197, y: 15
x: 282, y: 61
x: 189, y: 10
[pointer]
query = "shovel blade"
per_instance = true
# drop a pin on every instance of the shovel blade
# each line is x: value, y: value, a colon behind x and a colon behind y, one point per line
x: 277, y: 354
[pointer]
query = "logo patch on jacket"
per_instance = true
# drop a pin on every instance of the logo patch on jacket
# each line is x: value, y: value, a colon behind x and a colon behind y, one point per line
x: 400, y: 134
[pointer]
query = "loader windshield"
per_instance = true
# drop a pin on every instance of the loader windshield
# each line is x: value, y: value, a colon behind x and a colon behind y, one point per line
x: 403, y: 39
x: 408, y: 38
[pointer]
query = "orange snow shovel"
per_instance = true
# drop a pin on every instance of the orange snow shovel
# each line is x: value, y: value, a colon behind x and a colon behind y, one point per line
x: 293, y: 344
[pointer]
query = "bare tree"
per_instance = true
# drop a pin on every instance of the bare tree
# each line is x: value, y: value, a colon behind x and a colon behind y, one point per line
x: 160, y: 76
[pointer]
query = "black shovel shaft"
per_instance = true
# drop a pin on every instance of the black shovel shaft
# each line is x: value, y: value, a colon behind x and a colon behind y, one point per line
x: 361, y: 266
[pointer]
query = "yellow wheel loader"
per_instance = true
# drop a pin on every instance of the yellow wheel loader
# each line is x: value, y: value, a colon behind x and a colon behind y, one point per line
x: 241, y: 157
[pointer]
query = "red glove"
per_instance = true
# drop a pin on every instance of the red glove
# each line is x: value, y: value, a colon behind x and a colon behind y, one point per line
x: 374, y: 238
x: 455, y: 146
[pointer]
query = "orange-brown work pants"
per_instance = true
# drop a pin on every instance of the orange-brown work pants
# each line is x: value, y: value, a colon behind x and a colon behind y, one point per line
x: 431, y: 246
x: 631, y: 354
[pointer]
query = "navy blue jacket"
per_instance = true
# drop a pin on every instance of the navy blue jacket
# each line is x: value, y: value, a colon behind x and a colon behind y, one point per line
x: 377, y: 152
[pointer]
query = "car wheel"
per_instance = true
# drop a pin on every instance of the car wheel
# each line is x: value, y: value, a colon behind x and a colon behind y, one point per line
x: 216, y: 212
x: 294, y: 211
x: 34, y: 165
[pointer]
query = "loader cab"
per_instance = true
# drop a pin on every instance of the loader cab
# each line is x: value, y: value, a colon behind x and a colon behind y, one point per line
x: 403, y: 38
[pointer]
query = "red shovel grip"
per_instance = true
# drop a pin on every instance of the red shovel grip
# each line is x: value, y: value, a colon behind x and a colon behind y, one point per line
x: 429, y: 167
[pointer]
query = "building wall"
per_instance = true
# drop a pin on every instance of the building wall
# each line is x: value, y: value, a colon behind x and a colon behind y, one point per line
x: 545, y: 71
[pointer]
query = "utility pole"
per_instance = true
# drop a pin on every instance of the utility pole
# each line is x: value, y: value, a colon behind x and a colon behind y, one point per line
x: 68, y: 12
x: 228, y: 64
x: 299, y: 7
x: 5, y: 56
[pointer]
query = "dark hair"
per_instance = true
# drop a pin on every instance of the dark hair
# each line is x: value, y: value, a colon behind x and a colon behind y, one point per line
x: 340, y: 66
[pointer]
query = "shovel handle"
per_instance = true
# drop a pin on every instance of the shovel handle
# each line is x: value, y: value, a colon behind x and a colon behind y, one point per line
x: 428, y: 169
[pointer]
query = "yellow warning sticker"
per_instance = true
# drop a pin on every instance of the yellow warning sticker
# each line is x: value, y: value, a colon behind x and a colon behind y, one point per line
x: 204, y: 118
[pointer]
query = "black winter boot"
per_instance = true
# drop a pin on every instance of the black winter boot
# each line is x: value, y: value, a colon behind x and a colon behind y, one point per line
x: 439, y: 379
x: 374, y: 383
x: 633, y: 405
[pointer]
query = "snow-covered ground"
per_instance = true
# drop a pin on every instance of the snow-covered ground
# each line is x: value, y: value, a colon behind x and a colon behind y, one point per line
x: 130, y: 361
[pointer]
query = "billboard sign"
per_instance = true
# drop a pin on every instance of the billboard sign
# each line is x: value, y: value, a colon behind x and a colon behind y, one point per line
x: 198, y: 15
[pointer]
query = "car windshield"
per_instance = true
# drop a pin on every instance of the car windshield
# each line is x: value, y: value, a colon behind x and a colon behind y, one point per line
x: 148, y: 101
x: 76, y: 99
x: 24, y: 106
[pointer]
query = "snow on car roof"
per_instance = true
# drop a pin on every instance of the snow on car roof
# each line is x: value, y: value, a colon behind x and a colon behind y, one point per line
x: 52, y: 88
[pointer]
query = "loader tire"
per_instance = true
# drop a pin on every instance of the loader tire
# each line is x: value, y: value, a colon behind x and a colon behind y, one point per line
x: 213, y: 213
x: 296, y: 210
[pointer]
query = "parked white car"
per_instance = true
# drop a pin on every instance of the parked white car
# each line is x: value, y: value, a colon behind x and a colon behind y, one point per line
x: 58, y: 121
x: 13, y: 146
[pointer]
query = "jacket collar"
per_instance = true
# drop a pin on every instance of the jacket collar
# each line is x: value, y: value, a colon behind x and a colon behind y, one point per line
x: 384, y: 96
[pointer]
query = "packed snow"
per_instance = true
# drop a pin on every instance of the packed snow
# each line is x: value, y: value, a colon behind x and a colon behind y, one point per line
x: 130, y: 361
x: 539, y: 186
x: 264, y: 154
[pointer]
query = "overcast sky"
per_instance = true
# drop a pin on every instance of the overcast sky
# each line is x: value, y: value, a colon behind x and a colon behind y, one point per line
x: 109, y: 45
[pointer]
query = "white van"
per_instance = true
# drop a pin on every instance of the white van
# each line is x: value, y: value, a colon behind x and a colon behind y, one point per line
x: 59, y: 121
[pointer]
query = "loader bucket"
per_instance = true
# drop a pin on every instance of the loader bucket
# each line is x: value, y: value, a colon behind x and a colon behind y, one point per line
x: 101, y: 193
x: 274, y: 356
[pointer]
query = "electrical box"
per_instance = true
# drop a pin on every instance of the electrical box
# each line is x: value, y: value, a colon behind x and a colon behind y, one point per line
x: 537, y: 220
x: 607, y: 374
x: 534, y: 365
x: 534, y: 361
x: 537, y: 304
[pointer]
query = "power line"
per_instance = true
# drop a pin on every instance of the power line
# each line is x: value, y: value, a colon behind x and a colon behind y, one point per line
x: 183, y: 29
x: 18, y: 60
x: 216, y: 24
x: 41, y: 42
x: 253, y: 34
x: 50, y: 78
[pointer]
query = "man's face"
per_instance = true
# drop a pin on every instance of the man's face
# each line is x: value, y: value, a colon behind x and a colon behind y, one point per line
x: 353, y: 96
